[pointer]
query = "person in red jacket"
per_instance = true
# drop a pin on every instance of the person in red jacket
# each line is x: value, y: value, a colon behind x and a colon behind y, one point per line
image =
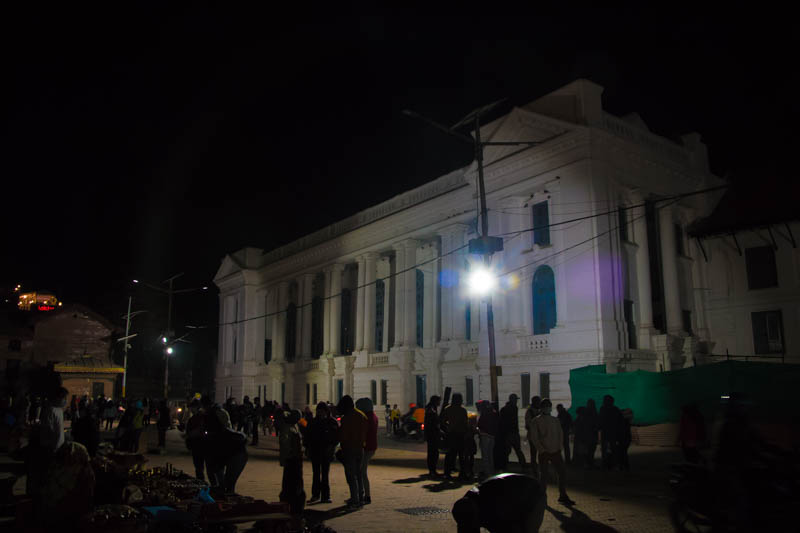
x: 370, y: 445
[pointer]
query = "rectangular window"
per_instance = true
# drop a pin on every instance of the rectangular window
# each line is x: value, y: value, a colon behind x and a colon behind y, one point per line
x: 544, y: 385
x: 308, y: 394
x: 628, y: 311
x: 525, y: 387
x: 679, y: 241
x: 468, y: 319
x: 316, y: 400
x: 373, y: 392
x: 686, y: 315
x: 283, y: 393
x: 541, y: 224
x: 422, y: 393
x: 623, y: 224
x: 339, y: 390
x: 14, y: 345
x: 384, y: 392
x: 768, y: 332
x: 267, y: 351
x: 233, y: 349
x: 762, y: 273
x: 470, y: 391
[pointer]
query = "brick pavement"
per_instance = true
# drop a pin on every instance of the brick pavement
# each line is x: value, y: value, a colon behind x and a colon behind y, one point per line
x: 605, y: 501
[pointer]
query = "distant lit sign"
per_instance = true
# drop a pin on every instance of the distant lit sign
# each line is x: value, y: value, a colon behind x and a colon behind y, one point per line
x: 45, y: 307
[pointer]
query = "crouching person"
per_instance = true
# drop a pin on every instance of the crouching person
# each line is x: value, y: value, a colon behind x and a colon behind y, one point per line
x: 503, y: 503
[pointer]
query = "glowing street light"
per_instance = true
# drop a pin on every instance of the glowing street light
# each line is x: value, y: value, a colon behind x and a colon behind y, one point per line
x: 170, y: 350
x: 481, y: 281
x: 164, y: 340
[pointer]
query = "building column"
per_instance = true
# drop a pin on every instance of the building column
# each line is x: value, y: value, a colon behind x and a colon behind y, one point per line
x: 448, y: 286
x: 307, y: 282
x: 326, y: 320
x: 669, y: 266
x: 458, y: 294
x: 279, y: 322
x: 359, y: 341
x: 644, y: 288
x: 388, y: 281
x: 370, y: 272
x: 336, y: 308
x: 410, y: 276
x: 399, y: 294
x: 430, y: 305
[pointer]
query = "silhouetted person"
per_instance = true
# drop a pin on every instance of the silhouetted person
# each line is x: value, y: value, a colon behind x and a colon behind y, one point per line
x: 565, y: 419
x: 593, y: 421
x: 352, y: 436
x: 532, y: 412
x: 291, y: 459
x: 625, y: 438
x: 163, y: 424
x: 322, y: 439
x: 610, y: 426
x: 84, y: 431
x: 692, y: 433
x: 432, y: 434
x: 454, y: 420
x: 583, y: 435
x: 509, y: 428
x: 502, y: 504
x: 488, y: 426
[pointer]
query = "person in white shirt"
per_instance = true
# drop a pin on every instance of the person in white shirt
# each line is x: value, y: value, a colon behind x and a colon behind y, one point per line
x: 547, y: 436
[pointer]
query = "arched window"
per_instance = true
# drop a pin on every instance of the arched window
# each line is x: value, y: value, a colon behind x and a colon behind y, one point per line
x: 291, y: 332
x: 380, y: 295
x: 544, y: 300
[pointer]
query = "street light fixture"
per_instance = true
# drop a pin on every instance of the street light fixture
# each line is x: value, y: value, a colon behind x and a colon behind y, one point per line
x: 481, y: 281
x: 170, y: 350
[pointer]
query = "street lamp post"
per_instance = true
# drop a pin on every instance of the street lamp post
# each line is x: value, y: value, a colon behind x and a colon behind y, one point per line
x: 485, y: 245
x: 168, y: 339
x: 124, y: 339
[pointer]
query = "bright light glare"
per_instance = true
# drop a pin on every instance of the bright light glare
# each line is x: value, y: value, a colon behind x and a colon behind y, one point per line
x: 170, y: 350
x: 136, y: 281
x: 205, y: 288
x: 481, y: 281
x: 164, y: 340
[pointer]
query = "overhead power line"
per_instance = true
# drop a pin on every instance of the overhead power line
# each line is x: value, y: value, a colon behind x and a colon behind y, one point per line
x: 673, y: 199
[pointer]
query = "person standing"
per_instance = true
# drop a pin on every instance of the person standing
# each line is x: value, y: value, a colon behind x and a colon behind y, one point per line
x: 50, y: 438
x: 322, y: 440
x: 488, y: 424
x: 388, y: 417
x: 370, y: 445
x: 548, y: 438
x: 583, y: 434
x: 195, y: 438
x: 109, y: 414
x: 534, y: 409
x: 691, y: 434
x: 291, y: 459
x: 137, y: 425
x: 509, y: 428
x: 454, y: 421
x: 610, y: 426
x: 565, y: 419
x: 593, y: 422
x: 395, y: 418
x: 432, y: 434
x: 163, y: 424
x: 352, y: 436
x: 625, y: 438
x: 256, y: 420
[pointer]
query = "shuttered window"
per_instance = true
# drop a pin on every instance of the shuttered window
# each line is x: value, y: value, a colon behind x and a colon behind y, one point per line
x: 768, y: 332
x: 541, y: 221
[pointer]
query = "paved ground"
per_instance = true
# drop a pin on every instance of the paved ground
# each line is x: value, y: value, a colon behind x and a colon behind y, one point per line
x: 605, y: 501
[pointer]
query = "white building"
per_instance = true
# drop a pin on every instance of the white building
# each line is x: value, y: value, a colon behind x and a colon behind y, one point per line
x: 375, y: 304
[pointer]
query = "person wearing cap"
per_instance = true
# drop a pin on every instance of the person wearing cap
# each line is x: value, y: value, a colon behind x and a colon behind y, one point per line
x: 370, y: 445
x: 548, y: 439
x: 353, y: 437
x: 509, y: 428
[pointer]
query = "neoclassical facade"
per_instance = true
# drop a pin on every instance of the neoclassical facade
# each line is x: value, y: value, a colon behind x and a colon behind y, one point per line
x: 596, y: 269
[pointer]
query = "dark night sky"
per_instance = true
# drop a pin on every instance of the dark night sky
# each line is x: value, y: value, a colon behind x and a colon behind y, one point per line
x: 147, y: 142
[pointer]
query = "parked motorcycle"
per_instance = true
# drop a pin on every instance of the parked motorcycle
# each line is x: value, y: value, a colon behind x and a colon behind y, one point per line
x: 410, y: 428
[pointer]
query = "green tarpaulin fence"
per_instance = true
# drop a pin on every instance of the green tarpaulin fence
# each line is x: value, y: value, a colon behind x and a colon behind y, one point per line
x: 657, y: 397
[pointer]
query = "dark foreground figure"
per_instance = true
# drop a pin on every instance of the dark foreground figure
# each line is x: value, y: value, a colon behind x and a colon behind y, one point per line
x: 504, y: 503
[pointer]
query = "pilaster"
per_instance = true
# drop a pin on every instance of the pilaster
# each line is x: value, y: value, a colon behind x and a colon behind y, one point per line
x: 370, y: 272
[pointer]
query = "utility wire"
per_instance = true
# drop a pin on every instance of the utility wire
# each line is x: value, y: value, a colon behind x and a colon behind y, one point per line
x: 510, y: 235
